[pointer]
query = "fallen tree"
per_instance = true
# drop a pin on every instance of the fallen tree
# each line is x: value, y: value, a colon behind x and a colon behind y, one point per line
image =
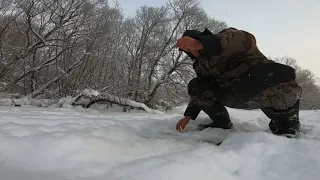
x: 93, y: 97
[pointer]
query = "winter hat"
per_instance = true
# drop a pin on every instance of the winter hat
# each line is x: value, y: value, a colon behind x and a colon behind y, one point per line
x: 192, y: 33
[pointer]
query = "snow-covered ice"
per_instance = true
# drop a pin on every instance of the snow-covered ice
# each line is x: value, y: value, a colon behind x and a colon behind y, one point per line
x: 63, y: 143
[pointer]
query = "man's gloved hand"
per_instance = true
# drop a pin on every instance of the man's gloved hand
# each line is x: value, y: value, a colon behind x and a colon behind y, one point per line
x: 182, y: 123
x: 189, y: 44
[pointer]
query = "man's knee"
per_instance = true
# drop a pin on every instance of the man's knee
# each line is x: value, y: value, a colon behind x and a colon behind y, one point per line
x: 202, y: 96
x: 193, y: 88
x: 198, y: 86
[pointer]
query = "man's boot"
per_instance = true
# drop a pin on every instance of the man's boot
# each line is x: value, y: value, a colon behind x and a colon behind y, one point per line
x: 219, y: 116
x: 284, y: 123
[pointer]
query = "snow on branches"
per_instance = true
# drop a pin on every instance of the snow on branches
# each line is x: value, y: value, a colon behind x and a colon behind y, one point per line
x: 95, y: 96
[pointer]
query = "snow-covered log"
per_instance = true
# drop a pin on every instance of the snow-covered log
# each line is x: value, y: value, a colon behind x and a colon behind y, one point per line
x: 95, y: 97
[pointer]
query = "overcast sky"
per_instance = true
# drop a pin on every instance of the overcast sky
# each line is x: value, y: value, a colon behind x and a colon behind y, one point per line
x: 281, y: 27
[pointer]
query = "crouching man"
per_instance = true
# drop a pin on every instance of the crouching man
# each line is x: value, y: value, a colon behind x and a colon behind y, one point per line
x: 232, y: 72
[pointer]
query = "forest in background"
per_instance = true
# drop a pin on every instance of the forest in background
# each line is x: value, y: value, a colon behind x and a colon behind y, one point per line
x: 50, y: 49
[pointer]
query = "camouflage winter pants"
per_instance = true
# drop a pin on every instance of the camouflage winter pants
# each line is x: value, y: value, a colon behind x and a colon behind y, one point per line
x: 280, y: 103
x: 280, y: 97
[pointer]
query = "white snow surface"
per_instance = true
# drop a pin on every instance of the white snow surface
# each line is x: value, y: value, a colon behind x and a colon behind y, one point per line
x: 73, y: 143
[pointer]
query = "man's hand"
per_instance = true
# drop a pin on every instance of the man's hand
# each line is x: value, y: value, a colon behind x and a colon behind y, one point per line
x: 189, y: 44
x: 182, y: 123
